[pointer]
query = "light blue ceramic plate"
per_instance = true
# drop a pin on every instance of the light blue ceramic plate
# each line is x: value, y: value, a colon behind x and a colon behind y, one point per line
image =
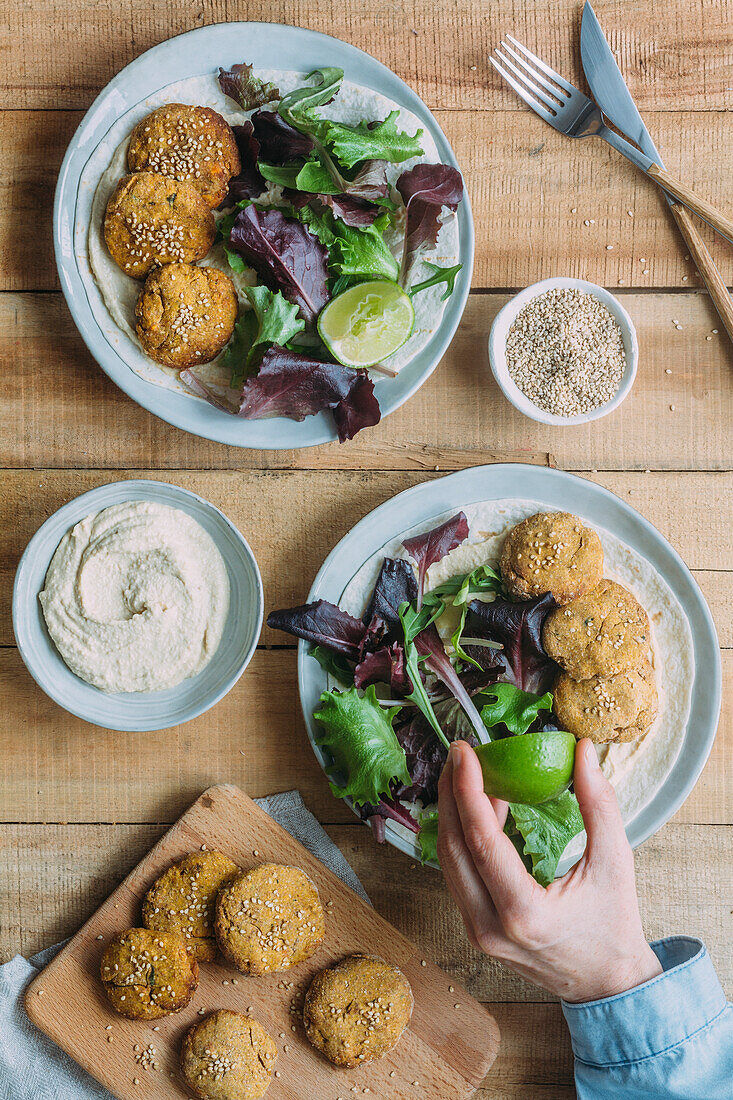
x: 269, y: 45
x: 561, y: 491
x: 138, y: 711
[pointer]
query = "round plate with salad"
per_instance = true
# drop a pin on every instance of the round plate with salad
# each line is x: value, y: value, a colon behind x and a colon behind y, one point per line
x: 263, y: 236
x: 511, y: 606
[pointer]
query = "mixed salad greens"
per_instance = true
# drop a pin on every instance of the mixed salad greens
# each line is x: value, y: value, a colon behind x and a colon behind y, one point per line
x: 404, y: 696
x: 319, y: 232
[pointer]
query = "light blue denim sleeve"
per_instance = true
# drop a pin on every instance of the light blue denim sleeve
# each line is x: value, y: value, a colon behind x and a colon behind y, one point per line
x: 669, y: 1039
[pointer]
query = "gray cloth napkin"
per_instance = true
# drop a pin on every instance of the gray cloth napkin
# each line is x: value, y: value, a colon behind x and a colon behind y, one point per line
x: 31, y: 1066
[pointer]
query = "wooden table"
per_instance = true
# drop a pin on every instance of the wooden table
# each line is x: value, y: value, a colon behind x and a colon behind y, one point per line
x: 81, y: 804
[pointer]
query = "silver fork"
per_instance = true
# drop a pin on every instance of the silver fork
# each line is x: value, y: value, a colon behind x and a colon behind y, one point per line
x: 566, y: 109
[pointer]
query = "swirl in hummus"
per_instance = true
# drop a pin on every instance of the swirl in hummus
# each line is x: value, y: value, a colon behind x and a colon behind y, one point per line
x: 136, y: 597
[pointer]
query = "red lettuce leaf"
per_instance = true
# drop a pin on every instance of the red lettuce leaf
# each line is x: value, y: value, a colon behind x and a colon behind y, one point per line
x: 360, y: 409
x: 429, y: 644
x: 246, y: 89
x: 352, y: 210
x: 279, y: 142
x: 322, y: 623
x: 370, y: 182
x: 425, y: 190
x: 374, y: 637
x: 249, y: 183
x: 518, y: 626
x: 395, y: 585
x: 432, y: 546
x: 285, y: 255
x: 425, y: 754
x: 221, y: 397
x: 385, y: 665
x: 293, y: 385
x: 386, y: 808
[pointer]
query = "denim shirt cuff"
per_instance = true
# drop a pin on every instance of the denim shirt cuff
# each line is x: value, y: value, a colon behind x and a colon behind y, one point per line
x: 653, y: 1017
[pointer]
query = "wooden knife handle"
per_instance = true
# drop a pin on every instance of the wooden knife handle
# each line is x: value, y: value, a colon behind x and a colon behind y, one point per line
x: 687, y: 196
x: 705, y: 264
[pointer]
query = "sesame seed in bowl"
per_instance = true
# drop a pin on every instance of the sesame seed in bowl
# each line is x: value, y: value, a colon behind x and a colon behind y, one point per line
x: 564, y: 351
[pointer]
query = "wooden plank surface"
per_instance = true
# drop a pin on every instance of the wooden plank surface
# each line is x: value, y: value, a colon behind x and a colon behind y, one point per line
x: 532, y: 190
x: 290, y: 542
x: 54, y: 767
x: 63, y: 411
x: 449, y: 1045
x: 679, y: 62
x: 71, y: 869
x: 66, y: 428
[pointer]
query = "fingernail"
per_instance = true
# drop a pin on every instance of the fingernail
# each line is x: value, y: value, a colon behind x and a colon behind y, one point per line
x: 592, y: 757
x: 456, y: 754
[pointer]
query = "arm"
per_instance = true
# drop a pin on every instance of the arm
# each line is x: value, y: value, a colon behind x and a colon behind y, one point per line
x: 646, y: 1021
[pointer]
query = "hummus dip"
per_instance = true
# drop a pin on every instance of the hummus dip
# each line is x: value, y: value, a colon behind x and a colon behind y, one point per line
x: 136, y: 597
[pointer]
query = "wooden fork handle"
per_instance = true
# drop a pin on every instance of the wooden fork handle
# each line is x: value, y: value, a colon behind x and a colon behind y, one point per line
x: 705, y: 264
x: 686, y: 195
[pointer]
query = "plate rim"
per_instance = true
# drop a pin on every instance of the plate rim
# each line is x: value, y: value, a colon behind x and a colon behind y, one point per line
x: 705, y: 696
x: 79, y: 507
x: 207, y: 422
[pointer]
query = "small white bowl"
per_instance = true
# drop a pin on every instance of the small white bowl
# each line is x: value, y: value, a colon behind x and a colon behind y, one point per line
x: 137, y: 712
x: 497, y: 350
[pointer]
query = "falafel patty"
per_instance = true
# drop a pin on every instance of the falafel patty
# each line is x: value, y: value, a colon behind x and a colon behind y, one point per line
x: 185, y: 314
x: 357, y: 1010
x: 228, y: 1056
x: 152, y: 220
x: 551, y: 552
x: 620, y: 707
x: 183, y: 900
x: 600, y: 633
x: 194, y: 144
x: 269, y: 918
x: 148, y: 974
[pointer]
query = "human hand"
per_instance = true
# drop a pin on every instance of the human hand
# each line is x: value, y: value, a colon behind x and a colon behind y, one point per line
x: 581, y: 937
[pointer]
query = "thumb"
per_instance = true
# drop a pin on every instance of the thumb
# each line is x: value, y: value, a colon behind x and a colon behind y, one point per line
x: 597, y: 800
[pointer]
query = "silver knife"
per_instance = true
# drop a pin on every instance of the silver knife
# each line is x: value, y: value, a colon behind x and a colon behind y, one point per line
x: 609, y: 87
x: 613, y: 97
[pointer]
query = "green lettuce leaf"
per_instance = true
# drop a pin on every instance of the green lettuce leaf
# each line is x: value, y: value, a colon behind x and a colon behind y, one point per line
x: 334, y: 664
x: 445, y: 275
x: 236, y: 354
x: 272, y: 320
x: 362, y: 252
x: 223, y: 229
x: 326, y: 83
x: 319, y: 221
x: 317, y: 176
x: 283, y: 174
x: 482, y: 579
x: 427, y: 838
x: 413, y: 622
x: 358, y: 733
x: 277, y: 318
x: 542, y: 833
x: 383, y: 141
x: 510, y: 706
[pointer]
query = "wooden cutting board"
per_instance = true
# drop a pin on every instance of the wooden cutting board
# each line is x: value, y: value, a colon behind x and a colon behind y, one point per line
x: 444, y: 1055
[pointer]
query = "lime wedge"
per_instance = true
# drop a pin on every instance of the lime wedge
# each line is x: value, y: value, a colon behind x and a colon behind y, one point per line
x: 530, y: 768
x: 366, y: 323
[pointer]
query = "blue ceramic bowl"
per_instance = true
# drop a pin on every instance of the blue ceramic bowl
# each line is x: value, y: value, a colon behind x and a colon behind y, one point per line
x: 139, y: 711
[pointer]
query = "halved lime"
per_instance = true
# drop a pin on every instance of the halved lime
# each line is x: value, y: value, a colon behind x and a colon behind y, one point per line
x: 366, y: 323
x: 530, y: 768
